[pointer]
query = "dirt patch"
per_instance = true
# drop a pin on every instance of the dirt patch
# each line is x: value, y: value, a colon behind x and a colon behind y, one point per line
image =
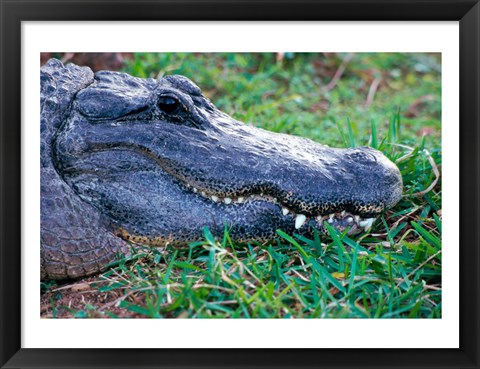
x: 82, y: 299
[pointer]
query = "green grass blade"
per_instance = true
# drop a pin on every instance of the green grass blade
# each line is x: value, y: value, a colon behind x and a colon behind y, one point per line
x: 290, y: 239
x: 351, y: 136
x: 374, y: 134
x: 428, y: 236
x: 342, y: 134
x: 353, y: 270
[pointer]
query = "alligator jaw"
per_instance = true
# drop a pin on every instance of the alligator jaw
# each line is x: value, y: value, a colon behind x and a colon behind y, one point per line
x: 341, y: 220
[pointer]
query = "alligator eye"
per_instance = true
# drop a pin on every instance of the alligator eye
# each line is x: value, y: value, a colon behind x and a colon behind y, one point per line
x: 168, y: 104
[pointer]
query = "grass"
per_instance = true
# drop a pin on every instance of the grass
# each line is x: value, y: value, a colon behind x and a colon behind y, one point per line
x: 388, y: 101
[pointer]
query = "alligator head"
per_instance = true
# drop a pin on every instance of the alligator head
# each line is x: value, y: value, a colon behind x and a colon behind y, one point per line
x: 160, y: 162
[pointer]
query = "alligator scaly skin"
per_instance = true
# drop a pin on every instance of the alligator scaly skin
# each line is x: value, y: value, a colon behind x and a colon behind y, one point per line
x: 74, y: 239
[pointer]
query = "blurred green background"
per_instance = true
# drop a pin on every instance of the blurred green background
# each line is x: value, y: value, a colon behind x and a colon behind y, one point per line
x: 308, y: 94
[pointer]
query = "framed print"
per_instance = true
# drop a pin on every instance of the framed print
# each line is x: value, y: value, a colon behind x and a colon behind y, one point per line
x: 239, y: 184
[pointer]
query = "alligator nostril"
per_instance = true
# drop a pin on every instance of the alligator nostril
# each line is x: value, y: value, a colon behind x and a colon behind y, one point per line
x: 361, y: 156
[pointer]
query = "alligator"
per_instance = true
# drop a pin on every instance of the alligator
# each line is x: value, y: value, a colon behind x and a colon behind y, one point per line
x: 127, y: 160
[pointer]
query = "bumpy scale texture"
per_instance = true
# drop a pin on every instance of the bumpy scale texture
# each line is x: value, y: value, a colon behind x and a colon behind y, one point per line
x: 74, y: 239
x: 150, y: 161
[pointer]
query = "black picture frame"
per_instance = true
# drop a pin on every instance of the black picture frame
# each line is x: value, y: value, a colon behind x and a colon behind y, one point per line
x: 467, y: 12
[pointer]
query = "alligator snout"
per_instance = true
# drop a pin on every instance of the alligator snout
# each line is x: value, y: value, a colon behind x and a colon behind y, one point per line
x: 161, y: 162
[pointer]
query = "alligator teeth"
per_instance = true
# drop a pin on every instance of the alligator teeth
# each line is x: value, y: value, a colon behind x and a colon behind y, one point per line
x: 300, y: 220
x: 367, y: 224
